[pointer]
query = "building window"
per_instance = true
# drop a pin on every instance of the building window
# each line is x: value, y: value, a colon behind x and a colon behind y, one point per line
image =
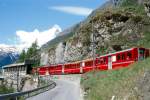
x: 21, y: 68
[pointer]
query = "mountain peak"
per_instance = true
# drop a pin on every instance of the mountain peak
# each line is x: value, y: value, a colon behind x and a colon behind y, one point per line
x: 8, y: 54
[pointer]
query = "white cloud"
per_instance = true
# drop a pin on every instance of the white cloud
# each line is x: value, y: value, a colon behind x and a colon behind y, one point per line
x: 4, y: 45
x: 27, y: 38
x: 82, y: 11
x: 24, y: 39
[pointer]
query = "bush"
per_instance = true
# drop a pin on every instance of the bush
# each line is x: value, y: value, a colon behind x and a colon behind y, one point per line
x: 136, y: 19
x: 5, y: 90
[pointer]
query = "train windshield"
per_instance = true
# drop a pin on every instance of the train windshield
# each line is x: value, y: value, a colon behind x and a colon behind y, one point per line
x: 141, y: 54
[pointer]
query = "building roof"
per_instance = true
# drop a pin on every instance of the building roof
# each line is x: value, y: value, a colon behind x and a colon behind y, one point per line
x: 14, y: 65
x: 1, y: 77
x: 26, y: 62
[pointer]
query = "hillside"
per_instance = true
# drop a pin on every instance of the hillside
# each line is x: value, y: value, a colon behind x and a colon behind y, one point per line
x: 114, y: 28
x: 132, y: 83
x: 69, y: 32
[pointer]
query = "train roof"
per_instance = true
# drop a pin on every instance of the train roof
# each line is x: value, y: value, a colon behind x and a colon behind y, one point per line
x: 73, y: 62
x: 119, y: 52
x: 116, y: 52
x: 110, y: 54
x: 87, y: 59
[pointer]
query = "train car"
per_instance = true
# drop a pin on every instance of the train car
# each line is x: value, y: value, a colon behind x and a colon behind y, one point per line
x: 72, y: 68
x: 41, y: 70
x: 87, y: 65
x: 121, y: 58
x: 106, y: 62
x: 56, y: 69
x: 102, y: 63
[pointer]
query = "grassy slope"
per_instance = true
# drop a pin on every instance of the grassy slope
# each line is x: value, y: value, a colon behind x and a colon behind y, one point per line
x: 123, y: 84
x: 5, y: 90
x: 120, y: 83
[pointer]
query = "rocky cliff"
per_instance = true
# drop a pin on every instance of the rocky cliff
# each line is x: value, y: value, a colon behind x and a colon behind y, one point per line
x: 114, y: 28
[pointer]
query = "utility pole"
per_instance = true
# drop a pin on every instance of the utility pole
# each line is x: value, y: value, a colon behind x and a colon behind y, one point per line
x: 18, y: 79
x: 38, y: 76
x: 93, y: 45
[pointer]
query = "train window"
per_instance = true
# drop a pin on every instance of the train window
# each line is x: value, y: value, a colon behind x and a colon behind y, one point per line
x: 97, y: 61
x: 141, y: 54
x: 101, y: 61
x: 123, y: 56
x: 104, y: 60
x: 118, y: 57
x: 89, y: 63
x: 129, y: 55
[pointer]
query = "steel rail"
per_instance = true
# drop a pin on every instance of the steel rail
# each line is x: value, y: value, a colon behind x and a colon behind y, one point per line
x: 30, y: 93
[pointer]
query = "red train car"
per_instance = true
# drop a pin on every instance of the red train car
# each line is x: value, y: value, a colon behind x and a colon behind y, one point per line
x: 41, y: 70
x: 55, y: 69
x: 72, y: 68
x: 122, y: 58
x: 106, y: 62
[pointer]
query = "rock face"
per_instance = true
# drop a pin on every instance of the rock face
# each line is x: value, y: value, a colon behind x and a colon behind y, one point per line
x: 64, y: 52
x: 114, y: 29
x: 44, y: 58
x: 147, y: 8
x: 59, y: 53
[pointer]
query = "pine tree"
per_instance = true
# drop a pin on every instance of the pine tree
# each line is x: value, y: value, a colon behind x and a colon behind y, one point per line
x: 32, y: 51
x: 31, y: 54
x: 22, y: 56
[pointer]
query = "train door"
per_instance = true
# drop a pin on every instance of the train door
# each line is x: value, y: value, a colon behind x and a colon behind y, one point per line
x: 147, y: 53
x: 63, y: 69
x: 109, y: 62
x: 81, y: 66
x: 141, y: 54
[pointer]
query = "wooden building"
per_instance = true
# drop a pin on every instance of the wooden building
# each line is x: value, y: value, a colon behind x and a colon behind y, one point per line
x: 21, y: 69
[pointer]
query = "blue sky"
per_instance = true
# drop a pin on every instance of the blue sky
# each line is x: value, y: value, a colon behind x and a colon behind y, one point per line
x: 28, y: 15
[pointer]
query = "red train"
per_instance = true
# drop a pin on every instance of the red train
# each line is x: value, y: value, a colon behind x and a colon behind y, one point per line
x: 105, y: 62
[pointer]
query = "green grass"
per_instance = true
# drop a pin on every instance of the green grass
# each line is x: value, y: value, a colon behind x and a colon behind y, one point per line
x: 5, y: 90
x: 119, y: 83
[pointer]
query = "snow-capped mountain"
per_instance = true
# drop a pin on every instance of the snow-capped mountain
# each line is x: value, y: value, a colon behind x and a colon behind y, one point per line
x: 8, y: 55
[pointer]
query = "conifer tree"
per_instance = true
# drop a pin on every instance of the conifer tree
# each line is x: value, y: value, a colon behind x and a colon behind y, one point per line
x: 31, y: 54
